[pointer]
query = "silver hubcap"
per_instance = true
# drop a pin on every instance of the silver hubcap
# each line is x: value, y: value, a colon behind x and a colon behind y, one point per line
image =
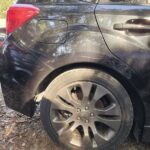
x: 85, y: 114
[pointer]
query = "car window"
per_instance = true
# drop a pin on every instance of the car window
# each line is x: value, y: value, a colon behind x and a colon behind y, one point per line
x: 126, y: 1
x: 56, y: 1
x: 92, y: 1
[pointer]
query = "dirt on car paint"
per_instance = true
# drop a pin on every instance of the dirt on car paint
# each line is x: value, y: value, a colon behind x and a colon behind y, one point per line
x: 18, y: 132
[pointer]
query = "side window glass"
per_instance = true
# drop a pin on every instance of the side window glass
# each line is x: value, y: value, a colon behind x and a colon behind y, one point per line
x: 125, y: 1
x: 56, y: 1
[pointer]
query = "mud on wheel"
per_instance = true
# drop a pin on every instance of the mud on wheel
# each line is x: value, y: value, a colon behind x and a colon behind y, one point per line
x: 86, y: 109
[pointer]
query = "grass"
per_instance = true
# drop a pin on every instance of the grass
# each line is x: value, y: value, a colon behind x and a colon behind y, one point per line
x: 4, y: 4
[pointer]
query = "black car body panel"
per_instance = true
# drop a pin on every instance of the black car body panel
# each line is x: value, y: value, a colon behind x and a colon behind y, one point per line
x: 27, y: 55
x: 81, y: 36
x: 133, y: 46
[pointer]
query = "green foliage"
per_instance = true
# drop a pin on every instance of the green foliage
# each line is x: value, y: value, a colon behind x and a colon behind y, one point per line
x: 4, y: 4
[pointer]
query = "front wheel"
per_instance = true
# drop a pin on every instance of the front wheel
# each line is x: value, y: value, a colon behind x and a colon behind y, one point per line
x: 87, y: 109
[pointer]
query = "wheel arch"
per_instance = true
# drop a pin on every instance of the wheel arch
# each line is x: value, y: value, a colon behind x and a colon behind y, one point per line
x: 139, y: 113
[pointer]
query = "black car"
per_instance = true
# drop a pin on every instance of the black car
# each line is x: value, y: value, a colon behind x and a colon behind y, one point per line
x: 86, y: 62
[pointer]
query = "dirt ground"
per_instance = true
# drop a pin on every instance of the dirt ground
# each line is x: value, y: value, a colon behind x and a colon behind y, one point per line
x: 18, y: 132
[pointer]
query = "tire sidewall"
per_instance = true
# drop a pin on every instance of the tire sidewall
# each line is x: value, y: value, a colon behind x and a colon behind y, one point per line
x: 98, y: 77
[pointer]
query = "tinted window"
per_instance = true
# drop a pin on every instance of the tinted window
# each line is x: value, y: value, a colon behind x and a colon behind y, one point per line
x: 125, y: 1
x: 55, y: 1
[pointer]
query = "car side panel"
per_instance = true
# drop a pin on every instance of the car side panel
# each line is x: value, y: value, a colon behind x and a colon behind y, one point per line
x: 30, y: 61
x: 133, y: 48
x: 26, y: 55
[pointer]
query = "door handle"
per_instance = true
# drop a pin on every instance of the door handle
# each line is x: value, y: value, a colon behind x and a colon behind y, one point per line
x: 129, y: 26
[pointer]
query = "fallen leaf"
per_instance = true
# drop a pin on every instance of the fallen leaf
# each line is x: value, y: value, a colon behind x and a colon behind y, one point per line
x: 9, y: 130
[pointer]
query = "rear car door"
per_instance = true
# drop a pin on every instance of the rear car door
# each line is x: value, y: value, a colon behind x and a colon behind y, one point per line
x: 125, y: 26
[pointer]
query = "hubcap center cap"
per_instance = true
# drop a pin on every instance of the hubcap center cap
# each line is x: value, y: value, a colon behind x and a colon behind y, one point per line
x: 84, y: 114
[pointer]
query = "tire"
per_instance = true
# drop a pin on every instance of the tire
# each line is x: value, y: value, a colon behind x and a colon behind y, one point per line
x: 86, y: 109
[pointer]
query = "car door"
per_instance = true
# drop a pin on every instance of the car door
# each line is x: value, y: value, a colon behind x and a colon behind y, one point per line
x: 125, y: 26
